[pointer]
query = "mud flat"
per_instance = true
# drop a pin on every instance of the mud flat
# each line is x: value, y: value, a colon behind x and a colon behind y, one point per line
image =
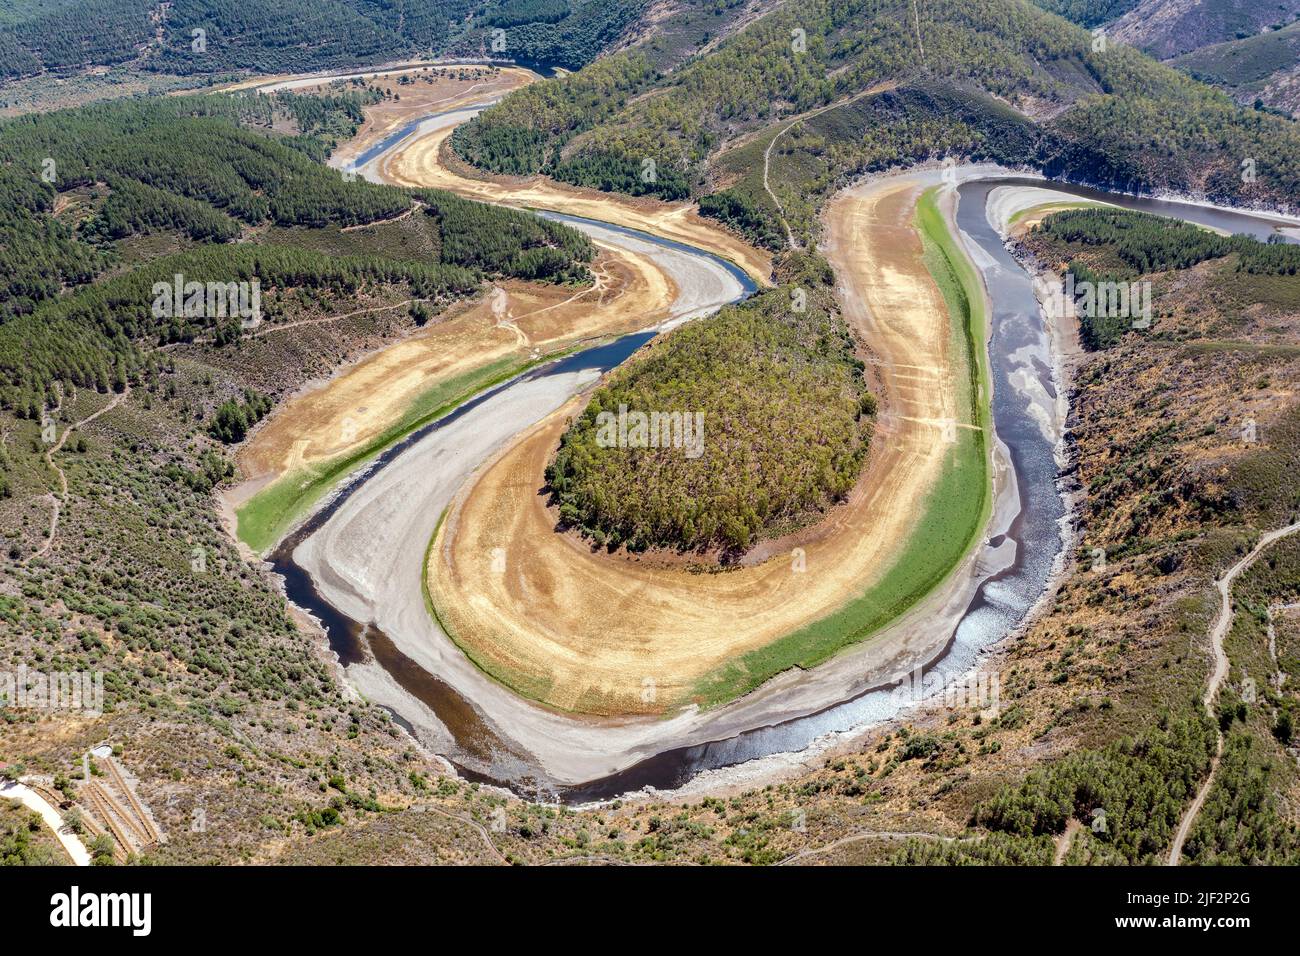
x: 366, y: 559
x: 332, y: 426
x: 446, y: 93
x: 363, y: 558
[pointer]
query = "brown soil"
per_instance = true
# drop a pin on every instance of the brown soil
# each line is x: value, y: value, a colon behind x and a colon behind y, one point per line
x: 433, y: 90
x: 425, y: 162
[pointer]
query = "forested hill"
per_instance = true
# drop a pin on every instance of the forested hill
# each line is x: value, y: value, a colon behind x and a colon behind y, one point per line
x: 1249, y: 49
x: 288, y: 36
x: 132, y: 193
x: 1109, y: 115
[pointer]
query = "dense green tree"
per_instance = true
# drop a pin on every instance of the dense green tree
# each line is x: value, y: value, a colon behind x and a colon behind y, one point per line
x: 766, y: 422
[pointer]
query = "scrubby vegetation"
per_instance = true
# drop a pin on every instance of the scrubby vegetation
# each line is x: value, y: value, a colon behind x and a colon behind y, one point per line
x: 1110, y: 115
x: 25, y: 840
x: 1174, y: 493
x: 234, y: 418
x: 1140, y: 786
x: 778, y: 392
x: 1117, y: 245
x: 293, y: 36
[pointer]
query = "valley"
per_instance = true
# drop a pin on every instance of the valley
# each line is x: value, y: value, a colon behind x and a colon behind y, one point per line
x: 983, y: 550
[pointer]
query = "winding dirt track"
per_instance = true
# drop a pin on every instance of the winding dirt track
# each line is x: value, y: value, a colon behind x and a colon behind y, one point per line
x: 586, y: 632
x: 1218, y: 674
x: 57, y: 497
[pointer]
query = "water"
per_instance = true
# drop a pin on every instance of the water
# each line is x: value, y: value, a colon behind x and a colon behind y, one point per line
x: 740, y: 275
x: 1020, y: 366
x: 1260, y: 225
x: 392, y: 139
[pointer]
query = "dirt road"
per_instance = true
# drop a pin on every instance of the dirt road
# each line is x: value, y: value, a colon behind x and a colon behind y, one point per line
x: 29, y: 798
x: 1218, y: 674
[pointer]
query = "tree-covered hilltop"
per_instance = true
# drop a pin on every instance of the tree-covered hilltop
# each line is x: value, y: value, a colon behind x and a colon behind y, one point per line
x: 292, y: 36
x: 1121, y: 246
x: 808, y: 159
x: 495, y: 240
x: 1185, y: 440
x: 194, y: 165
x: 786, y: 420
x: 1098, y: 112
x: 204, y: 171
x: 527, y: 130
x: 1255, y: 69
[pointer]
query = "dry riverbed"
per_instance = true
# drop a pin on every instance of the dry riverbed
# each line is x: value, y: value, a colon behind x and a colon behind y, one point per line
x: 584, y: 631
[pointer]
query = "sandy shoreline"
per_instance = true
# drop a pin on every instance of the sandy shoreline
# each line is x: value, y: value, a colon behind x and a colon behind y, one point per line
x: 418, y: 161
x: 589, y: 630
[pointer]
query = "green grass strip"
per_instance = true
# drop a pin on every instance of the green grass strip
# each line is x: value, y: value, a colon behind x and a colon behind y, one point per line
x: 955, y: 511
x: 264, y: 518
x: 1054, y: 207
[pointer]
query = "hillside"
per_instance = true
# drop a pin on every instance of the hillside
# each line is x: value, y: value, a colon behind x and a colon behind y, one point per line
x: 1263, y: 68
x: 129, y: 171
x: 1173, y: 493
x: 1034, y: 93
x: 1098, y: 703
x: 1170, y: 28
x: 143, y: 37
x: 116, y: 424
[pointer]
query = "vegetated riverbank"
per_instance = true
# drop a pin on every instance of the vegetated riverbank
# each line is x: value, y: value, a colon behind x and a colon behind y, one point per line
x: 333, y: 426
x: 954, y: 511
x: 264, y: 518
x: 914, y: 640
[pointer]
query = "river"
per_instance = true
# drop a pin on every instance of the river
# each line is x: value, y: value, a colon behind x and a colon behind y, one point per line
x: 1025, y: 393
